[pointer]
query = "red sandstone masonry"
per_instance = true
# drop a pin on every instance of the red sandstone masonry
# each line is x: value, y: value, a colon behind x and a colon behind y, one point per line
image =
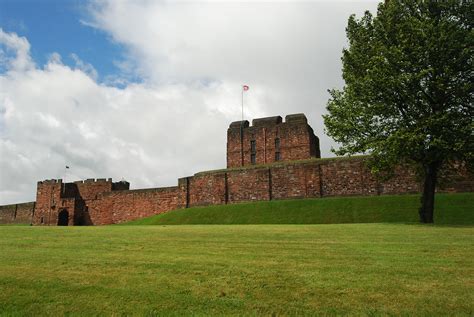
x: 48, y: 196
x: 297, y: 140
x: 295, y: 181
x: 207, y: 189
x: 346, y: 178
x: 17, y: 213
x: 102, y: 202
x: 251, y: 184
x: 54, y: 197
x: 121, y: 206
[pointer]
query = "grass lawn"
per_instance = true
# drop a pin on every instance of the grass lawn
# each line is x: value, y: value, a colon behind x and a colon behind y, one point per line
x: 449, y: 209
x: 370, y: 269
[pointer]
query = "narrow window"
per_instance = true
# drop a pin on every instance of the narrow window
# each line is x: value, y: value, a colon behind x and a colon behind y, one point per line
x: 277, y: 149
x: 42, y: 220
x: 253, y: 147
x: 253, y: 152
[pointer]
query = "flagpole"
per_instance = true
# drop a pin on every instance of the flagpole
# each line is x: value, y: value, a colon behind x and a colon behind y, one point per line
x: 242, y: 130
x: 64, y: 181
x: 66, y: 167
x: 244, y: 88
x: 242, y: 105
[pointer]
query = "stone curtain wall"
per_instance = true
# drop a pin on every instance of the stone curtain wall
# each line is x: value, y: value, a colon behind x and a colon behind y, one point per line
x: 121, y: 206
x: 248, y: 185
x: 17, y: 213
x: 100, y: 202
x: 206, y: 189
x: 308, y: 179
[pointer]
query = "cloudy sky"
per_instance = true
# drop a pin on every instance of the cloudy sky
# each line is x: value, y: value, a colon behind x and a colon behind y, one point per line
x: 145, y: 90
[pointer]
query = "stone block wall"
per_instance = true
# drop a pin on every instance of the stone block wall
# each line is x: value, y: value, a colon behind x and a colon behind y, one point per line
x: 252, y: 184
x: 17, y: 213
x: 101, y: 202
x: 207, y: 189
x: 308, y: 179
x: 120, y: 206
x: 295, y: 181
x: 346, y: 178
x: 56, y: 200
x: 48, y: 200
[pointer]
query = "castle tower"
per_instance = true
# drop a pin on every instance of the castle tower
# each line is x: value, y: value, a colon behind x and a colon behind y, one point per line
x: 270, y: 140
x: 66, y: 204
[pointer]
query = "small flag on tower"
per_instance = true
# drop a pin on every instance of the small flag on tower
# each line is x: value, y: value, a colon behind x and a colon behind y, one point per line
x: 245, y: 87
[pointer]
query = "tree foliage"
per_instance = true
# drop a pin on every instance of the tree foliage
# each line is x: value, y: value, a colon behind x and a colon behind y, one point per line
x: 408, y: 94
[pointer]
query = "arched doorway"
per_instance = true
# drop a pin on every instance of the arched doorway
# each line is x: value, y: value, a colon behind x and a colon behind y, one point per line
x: 63, y: 218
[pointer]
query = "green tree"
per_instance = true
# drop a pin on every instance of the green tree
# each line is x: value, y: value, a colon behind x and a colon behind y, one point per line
x: 408, y: 94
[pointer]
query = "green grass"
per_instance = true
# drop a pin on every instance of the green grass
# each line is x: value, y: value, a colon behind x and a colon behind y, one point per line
x: 357, y: 269
x: 450, y: 209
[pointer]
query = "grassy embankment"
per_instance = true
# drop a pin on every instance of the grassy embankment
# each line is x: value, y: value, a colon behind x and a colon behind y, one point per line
x: 357, y: 269
x: 450, y: 209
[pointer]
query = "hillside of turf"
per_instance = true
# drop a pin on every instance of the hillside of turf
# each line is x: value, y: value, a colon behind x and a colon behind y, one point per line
x: 236, y: 270
x: 457, y: 209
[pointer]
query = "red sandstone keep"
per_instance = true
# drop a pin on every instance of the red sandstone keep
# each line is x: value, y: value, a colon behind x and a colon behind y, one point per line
x: 270, y: 140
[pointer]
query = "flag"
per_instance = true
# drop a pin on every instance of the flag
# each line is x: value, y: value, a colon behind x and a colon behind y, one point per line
x: 245, y: 87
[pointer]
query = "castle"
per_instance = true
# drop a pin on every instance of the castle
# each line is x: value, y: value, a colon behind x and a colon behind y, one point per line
x: 268, y: 160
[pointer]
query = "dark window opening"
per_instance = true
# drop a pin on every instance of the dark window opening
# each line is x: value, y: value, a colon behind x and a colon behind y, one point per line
x: 253, y: 147
x: 42, y: 220
x: 277, y: 149
x: 253, y: 152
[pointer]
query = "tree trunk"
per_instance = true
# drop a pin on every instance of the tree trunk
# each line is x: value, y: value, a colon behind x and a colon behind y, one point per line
x: 427, y: 198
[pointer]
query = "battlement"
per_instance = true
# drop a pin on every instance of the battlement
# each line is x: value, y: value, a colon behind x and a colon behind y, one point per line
x: 239, y: 124
x: 120, y: 185
x: 268, y: 121
x: 297, y: 118
x: 50, y: 181
x: 93, y: 180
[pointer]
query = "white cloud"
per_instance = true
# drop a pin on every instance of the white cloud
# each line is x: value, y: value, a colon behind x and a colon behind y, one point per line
x: 148, y: 135
x: 85, y: 67
x: 288, y: 52
x: 10, y: 42
x: 192, y: 59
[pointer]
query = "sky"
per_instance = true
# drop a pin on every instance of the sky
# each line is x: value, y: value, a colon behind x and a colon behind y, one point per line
x: 144, y: 90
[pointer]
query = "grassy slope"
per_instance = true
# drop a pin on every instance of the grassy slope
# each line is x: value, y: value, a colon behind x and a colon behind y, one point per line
x: 358, y: 269
x: 450, y: 209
